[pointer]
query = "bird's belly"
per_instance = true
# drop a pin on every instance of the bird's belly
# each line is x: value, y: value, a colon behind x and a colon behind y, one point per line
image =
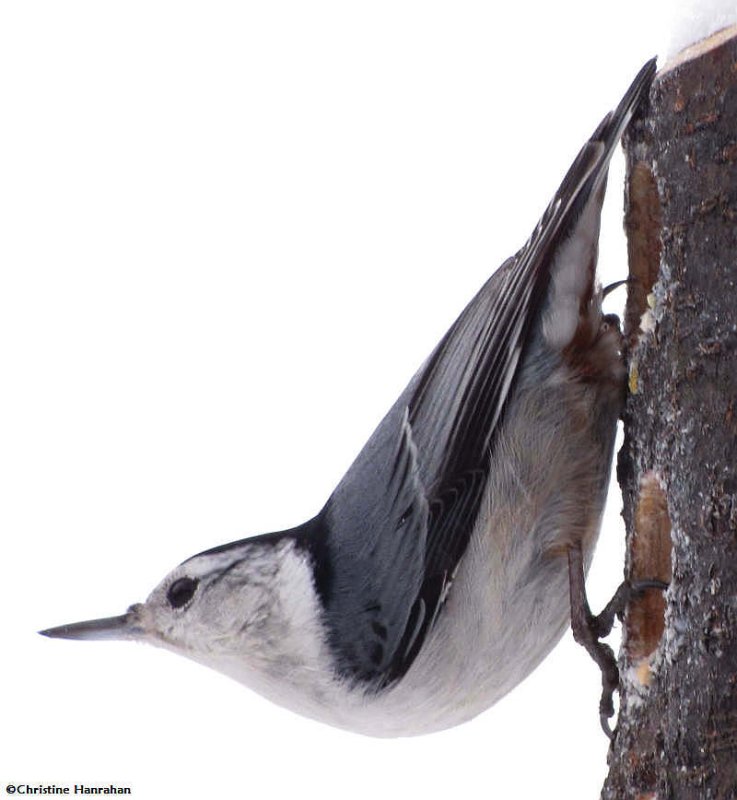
x: 480, y: 649
x: 508, y: 604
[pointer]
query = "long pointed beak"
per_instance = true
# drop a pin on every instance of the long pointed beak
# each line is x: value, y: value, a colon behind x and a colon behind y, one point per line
x: 126, y: 626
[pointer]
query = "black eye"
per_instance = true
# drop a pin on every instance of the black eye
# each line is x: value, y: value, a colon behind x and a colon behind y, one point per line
x: 181, y: 591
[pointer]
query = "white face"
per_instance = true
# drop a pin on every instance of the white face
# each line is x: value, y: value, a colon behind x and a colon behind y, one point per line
x: 213, y: 604
x: 248, y: 610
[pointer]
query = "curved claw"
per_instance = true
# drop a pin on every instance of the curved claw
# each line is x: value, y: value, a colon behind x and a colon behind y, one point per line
x: 609, y: 288
x: 639, y: 586
x: 605, y: 726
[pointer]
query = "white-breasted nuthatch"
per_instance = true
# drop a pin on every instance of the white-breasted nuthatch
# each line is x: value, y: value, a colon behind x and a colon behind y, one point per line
x: 438, y: 574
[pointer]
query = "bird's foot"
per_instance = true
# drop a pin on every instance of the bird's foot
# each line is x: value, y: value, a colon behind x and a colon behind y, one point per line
x: 589, y: 629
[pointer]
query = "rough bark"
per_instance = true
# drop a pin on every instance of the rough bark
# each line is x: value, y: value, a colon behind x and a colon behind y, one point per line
x: 677, y: 730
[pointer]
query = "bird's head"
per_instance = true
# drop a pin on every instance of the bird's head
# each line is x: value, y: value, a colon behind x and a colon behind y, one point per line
x: 248, y: 609
x: 224, y: 602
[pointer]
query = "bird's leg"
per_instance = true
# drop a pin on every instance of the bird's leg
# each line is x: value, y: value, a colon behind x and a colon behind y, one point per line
x: 589, y: 629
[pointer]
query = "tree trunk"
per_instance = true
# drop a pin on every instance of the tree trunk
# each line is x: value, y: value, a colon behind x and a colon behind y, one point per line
x: 677, y: 732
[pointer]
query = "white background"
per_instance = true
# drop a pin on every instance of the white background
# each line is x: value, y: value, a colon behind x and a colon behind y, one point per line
x: 231, y: 232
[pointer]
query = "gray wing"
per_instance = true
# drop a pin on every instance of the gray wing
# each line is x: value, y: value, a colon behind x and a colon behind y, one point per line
x: 395, y: 528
